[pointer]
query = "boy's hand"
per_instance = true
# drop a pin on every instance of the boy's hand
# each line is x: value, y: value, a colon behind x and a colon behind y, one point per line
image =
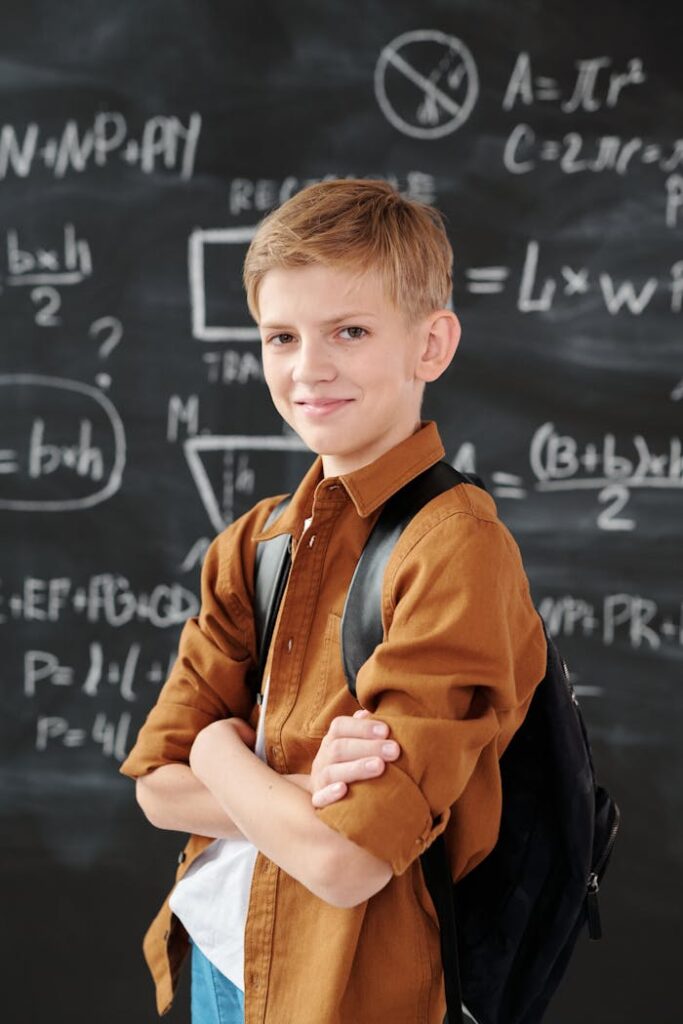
x: 343, y: 756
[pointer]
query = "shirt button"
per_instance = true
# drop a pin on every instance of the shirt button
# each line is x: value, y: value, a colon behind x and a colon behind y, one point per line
x: 289, y: 644
x: 181, y: 856
x: 166, y: 934
x: 310, y: 543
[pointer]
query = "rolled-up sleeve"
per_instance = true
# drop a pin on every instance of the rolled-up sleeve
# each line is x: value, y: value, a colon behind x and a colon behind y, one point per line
x: 462, y: 653
x: 208, y: 678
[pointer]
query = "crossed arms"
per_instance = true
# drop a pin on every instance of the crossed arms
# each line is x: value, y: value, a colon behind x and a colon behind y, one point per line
x: 453, y: 679
x: 227, y: 791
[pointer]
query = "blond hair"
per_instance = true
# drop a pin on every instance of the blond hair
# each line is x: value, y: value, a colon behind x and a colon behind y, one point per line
x: 359, y: 225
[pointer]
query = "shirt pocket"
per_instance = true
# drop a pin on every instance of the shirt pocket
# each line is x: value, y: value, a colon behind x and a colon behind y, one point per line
x: 330, y: 695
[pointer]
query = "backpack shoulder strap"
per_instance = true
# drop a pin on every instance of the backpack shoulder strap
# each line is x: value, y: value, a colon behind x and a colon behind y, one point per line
x: 271, y: 570
x: 361, y: 632
x: 361, y: 625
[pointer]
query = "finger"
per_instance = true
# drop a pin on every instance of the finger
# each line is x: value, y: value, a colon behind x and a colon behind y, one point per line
x: 328, y: 794
x: 358, y: 726
x: 351, y: 749
x: 371, y: 726
x: 351, y: 771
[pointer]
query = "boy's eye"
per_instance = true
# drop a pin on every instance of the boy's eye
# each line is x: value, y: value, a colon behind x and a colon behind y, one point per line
x: 275, y: 337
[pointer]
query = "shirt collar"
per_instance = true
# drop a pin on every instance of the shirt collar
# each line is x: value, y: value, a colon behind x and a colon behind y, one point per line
x: 368, y: 487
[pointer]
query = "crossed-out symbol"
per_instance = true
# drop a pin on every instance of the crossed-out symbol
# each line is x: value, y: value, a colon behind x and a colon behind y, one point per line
x: 426, y: 83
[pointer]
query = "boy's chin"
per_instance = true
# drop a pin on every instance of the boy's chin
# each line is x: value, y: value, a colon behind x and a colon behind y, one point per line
x: 324, y: 447
x: 307, y: 437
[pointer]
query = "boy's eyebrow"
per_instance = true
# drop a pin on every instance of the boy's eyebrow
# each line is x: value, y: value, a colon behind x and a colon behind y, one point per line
x: 328, y: 321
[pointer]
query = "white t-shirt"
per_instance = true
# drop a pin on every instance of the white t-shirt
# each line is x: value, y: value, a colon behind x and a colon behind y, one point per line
x: 212, y: 898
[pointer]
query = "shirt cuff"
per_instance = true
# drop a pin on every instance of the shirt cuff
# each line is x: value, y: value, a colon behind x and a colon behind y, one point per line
x: 388, y: 816
x: 165, y: 738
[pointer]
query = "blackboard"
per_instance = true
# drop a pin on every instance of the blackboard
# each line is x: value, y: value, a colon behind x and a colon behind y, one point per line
x: 140, y: 144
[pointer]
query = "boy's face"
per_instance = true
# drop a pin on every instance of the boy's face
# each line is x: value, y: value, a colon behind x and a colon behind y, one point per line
x: 329, y: 334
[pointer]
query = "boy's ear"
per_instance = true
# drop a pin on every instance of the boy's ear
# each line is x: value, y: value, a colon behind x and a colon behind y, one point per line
x: 440, y: 337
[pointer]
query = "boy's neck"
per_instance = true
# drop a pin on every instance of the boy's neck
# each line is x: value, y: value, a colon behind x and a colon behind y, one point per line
x: 334, y: 465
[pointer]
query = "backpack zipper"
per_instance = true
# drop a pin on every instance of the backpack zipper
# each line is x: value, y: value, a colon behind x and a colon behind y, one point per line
x: 592, y: 907
x: 593, y: 884
x: 570, y: 688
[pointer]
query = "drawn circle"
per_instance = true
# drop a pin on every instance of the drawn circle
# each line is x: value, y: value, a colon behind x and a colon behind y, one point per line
x: 72, y: 392
x: 417, y: 101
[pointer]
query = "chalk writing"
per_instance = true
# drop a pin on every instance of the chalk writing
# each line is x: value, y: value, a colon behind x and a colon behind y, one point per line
x: 198, y: 242
x: 560, y: 463
x: 44, y: 668
x: 615, y: 618
x: 237, y: 476
x: 165, y: 144
x: 594, y: 86
x: 426, y: 83
x: 69, y: 264
x: 262, y: 194
x: 105, y: 597
x: 611, y: 152
x: 574, y: 281
x: 38, y: 464
x: 110, y: 735
x: 232, y: 367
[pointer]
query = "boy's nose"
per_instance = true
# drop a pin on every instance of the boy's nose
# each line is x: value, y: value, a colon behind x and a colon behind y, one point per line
x: 312, y: 363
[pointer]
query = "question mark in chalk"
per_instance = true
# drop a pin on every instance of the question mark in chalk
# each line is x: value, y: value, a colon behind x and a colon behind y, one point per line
x: 112, y: 329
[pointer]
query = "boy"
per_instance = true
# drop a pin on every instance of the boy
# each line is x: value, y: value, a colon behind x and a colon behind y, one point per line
x: 306, y: 906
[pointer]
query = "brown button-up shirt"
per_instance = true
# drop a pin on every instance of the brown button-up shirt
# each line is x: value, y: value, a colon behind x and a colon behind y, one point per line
x: 462, y: 653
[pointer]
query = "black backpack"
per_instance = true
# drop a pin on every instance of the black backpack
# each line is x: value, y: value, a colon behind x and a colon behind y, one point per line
x: 519, y: 912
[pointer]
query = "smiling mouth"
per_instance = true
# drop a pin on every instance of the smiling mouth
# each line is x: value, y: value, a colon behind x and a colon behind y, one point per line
x: 323, y: 407
x: 321, y: 403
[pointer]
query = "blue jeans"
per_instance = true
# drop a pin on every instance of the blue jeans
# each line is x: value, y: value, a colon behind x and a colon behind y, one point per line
x: 214, y: 998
